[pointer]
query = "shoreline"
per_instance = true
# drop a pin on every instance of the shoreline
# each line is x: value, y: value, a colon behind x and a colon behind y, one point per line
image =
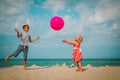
x: 51, y: 62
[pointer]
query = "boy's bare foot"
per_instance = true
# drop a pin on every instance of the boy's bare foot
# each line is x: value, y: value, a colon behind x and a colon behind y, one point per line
x: 25, y: 65
x: 6, y: 58
x: 25, y: 68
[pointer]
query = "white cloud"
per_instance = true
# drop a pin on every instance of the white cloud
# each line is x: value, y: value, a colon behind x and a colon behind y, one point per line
x: 59, y: 5
x: 106, y: 10
x: 55, y: 5
x: 14, y: 7
x: 81, y: 7
x: 115, y: 26
x: 28, y: 21
x: 13, y: 13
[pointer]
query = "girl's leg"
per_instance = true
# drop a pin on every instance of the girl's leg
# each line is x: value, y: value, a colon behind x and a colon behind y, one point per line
x: 79, y: 66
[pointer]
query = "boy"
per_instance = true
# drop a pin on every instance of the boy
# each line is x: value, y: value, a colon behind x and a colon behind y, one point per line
x: 23, y: 47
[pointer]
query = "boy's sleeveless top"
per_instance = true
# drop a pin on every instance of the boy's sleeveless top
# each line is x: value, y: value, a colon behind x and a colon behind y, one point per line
x: 25, y: 38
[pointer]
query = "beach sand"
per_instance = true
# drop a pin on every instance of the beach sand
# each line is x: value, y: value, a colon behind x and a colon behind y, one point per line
x: 60, y: 72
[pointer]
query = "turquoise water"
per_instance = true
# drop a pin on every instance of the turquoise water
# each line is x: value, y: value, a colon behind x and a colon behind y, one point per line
x: 51, y: 62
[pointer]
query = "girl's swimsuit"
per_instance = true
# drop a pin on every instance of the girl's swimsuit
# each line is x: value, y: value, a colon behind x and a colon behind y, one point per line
x: 77, y: 55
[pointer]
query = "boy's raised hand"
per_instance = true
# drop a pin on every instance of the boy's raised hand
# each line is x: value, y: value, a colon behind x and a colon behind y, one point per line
x: 38, y: 38
x: 17, y: 30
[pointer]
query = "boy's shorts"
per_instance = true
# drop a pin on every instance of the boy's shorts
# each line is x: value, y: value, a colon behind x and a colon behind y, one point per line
x: 20, y: 49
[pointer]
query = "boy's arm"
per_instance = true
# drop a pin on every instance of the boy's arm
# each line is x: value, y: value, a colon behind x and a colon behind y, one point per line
x: 18, y: 33
x: 32, y: 40
x: 68, y: 41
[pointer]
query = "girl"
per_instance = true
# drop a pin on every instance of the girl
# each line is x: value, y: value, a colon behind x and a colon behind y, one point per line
x: 77, y: 55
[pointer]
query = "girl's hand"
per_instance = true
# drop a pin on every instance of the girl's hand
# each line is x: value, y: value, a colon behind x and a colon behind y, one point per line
x: 17, y: 30
x: 68, y: 41
x: 63, y: 40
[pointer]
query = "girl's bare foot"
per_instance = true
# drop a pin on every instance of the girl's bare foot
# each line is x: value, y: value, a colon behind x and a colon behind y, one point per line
x: 78, y: 70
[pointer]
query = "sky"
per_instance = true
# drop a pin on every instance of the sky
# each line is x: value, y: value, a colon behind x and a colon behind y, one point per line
x: 97, y: 21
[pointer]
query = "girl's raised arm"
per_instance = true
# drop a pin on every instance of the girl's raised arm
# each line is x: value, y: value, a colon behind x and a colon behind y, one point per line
x: 68, y: 41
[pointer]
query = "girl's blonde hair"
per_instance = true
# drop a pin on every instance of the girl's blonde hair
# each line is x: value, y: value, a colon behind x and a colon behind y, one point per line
x: 80, y: 38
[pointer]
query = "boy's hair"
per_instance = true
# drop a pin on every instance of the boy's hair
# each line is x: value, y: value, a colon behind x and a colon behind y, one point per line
x: 26, y: 25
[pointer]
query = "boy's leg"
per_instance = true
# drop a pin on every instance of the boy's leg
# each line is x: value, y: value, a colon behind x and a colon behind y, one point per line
x: 25, y: 57
x: 15, y: 54
x: 25, y: 65
x: 7, y: 57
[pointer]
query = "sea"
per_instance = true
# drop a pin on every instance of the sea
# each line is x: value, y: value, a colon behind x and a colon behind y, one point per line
x: 53, y: 62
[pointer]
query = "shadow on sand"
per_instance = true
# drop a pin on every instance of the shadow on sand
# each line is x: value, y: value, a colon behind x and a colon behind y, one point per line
x: 84, y: 69
x: 37, y: 68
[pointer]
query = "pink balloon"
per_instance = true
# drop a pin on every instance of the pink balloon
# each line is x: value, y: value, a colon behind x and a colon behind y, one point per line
x: 56, y: 23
